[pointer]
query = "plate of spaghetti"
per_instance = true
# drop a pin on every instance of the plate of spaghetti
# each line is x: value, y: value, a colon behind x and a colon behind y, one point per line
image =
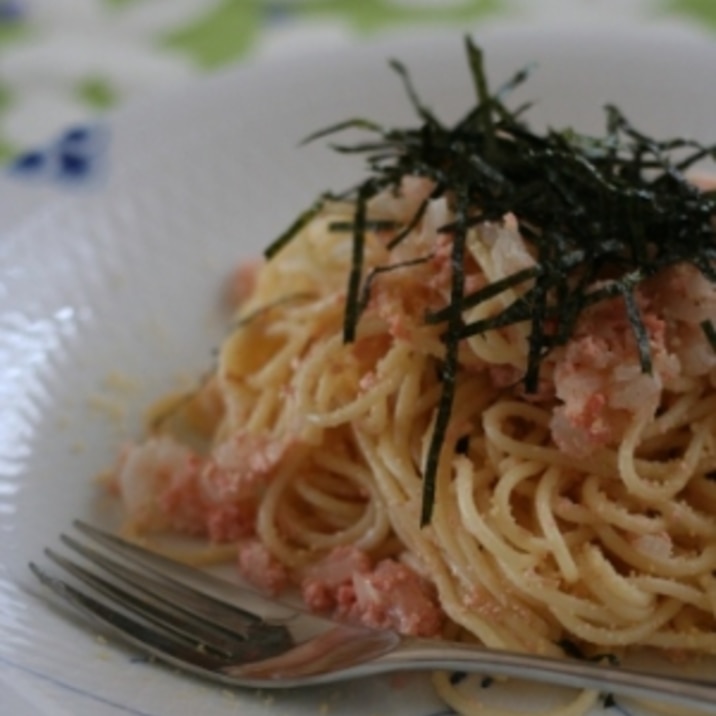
x: 447, y: 367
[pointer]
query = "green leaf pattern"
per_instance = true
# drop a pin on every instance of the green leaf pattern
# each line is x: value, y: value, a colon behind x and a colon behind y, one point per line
x: 136, y: 47
x: 702, y: 11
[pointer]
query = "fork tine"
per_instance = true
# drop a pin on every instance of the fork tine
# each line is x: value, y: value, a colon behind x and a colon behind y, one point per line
x: 154, y: 640
x: 159, y: 612
x: 159, y: 564
x: 215, y: 611
x: 190, y: 603
x: 169, y: 569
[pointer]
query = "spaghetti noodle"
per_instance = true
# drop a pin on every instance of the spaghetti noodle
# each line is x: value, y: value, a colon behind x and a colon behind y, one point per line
x: 579, y: 514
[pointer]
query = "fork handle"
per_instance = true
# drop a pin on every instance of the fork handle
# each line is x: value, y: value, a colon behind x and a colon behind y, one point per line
x: 417, y: 653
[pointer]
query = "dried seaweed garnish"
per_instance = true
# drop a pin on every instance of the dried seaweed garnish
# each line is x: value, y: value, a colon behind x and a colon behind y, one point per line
x: 376, y: 225
x: 611, y: 211
x: 608, y: 701
x: 573, y: 650
x: 388, y: 268
x: 450, y: 361
x: 352, y: 312
x: 457, y: 676
x: 302, y: 220
x: 710, y: 332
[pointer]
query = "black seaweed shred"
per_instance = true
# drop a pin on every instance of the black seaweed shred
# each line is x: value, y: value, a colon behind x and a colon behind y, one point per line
x: 608, y: 701
x: 370, y: 225
x: 302, y: 220
x: 614, y: 209
x: 355, y: 278
x: 450, y: 362
x: 573, y: 650
x: 710, y: 332
x: 388, y: 268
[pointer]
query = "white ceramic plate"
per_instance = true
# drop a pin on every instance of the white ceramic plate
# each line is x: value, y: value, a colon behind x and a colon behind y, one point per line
x: 114, y: 243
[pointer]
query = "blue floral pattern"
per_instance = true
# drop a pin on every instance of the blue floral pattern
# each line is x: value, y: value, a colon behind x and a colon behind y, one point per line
x: 136, y: 47
x: 11, y: 10
x: 78, y: 157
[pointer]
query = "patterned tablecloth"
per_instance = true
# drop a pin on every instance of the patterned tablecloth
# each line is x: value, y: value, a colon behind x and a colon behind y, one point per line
x: 63, y: 62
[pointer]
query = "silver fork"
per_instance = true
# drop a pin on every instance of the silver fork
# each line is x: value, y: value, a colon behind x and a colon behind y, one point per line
x: 234, y: 635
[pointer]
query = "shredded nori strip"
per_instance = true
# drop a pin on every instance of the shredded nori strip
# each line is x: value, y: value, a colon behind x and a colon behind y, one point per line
x: 457, y: 676
x: 710, y: 332
x: 608, y: 701
x: 450, y: 362
x: 355, y: 277
x: 299, y: 223
x: 388, y: 268
x: 573, y: 650
x: 610, y: 211
x: 377, y: 225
